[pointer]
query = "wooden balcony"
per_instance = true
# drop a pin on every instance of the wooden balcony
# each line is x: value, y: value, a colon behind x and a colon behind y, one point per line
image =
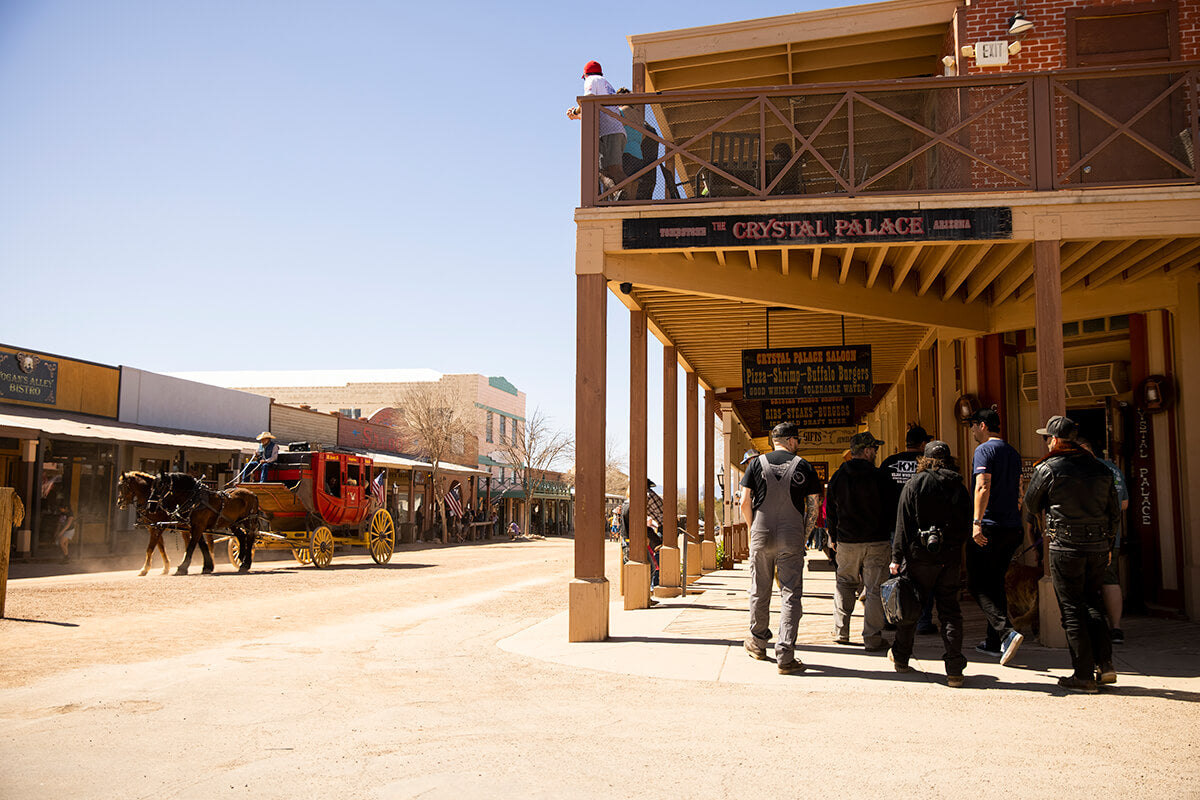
x: 1069, y: 129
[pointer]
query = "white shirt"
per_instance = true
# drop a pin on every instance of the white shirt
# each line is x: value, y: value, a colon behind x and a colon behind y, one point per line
x: 598, y: 84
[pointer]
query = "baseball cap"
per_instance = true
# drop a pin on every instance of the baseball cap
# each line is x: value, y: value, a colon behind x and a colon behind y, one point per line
x: 916, y: 436
x: 937, y: 449
x: 1059, y: 427
x: 987, y: 416
x: 749, y: 454
x: 861, y: 441
x: 784, y: 430
x: 592, y: 68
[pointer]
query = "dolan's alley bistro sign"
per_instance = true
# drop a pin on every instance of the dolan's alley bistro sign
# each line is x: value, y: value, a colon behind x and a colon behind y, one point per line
x: 807, y: 372
x: 27, y: 377
x: 834, y: 227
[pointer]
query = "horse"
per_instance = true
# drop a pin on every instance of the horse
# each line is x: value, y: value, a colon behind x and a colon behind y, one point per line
x: 135, y: 488
x: 188, y: 500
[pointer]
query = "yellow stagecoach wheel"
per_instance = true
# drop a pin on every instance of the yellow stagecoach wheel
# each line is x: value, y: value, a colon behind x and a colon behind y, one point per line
x: 321, y: 547
x: 302, y: 554
x: 235, y: 552
x: 381, y: 537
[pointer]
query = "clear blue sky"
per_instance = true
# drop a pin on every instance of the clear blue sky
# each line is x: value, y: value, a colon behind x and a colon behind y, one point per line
x: 222, y: 184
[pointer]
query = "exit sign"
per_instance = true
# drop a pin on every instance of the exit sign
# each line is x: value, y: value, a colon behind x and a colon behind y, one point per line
x: 991, y: 54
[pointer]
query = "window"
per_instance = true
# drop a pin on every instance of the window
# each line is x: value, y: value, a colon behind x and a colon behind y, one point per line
x: 503, y: 424
x: 351, y: 413
x: 488, y: 429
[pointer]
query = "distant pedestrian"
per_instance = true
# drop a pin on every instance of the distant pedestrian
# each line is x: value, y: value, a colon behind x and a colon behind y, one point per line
x: 933, y: 522
x: 778, y: 505
x: 1079, y: 498
x: 995, y: 533
x: 860, y: 516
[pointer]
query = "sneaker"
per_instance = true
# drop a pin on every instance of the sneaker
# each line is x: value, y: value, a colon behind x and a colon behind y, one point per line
x: 903, y: 668
x: 793, y: 666
x: 1106, y: 673
x: 1010, y: 645
x: 1073, y: 684
x: 954, y: 681
x: 987, y: 651
x: 1116, y: 636
x: 757, y: 652
x: 926, y: 629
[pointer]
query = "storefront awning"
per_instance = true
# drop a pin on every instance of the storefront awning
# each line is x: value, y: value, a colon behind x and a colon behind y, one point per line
x: 400, y: 462
x: 30, y: 426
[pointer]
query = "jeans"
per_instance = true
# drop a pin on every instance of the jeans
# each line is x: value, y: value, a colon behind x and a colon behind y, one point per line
x: 939, y: 583
x: 861, y: 565
x: 1078, y: 576
x: 776, y: 555
x: 986, y: 568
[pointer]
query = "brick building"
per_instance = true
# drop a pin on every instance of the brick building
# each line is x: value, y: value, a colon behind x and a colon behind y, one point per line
x: 982, y: 207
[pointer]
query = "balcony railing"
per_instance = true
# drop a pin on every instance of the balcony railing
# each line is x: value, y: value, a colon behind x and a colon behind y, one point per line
x: 1070, y: 129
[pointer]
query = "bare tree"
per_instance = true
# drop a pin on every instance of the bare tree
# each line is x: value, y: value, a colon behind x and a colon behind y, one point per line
x: 440, y: 423
x: 534, y: 448
x: 616, y: 477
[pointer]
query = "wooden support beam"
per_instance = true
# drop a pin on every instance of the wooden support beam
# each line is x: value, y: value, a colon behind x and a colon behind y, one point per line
x: 588, y: 592
x: 784, y: 260
x: 1129, y: 257
x: 1094, y: 260
x: 903, y: 265
x: 1069, y: 253
x: 995, y: 263
x: 933, y: 266
x: 816, y: 263
x: 847, y: 257
x: 963, y: 265
x: 655, y: 272
x: 1052, y: 386
x: 638, y: 451
x: 721, y: 257
x: 1160, y: 259
x: 753, y: 254
x: 1017, y: 273
x: 875, y: 264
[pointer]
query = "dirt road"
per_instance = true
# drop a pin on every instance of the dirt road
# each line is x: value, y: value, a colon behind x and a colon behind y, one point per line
x: 366, y: 681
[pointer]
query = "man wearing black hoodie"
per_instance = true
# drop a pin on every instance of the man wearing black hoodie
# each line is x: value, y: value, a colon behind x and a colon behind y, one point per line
x: 859, y: 502
x: 933, y: 521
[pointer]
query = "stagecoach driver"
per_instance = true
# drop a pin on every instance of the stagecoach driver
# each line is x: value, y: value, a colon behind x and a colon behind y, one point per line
x: 779, y: 506
x: 267, y: 454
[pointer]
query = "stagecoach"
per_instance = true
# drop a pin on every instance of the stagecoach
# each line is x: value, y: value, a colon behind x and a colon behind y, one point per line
x: 315, y: 499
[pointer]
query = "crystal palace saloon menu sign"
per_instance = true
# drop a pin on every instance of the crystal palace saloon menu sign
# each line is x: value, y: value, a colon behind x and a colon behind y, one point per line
x: 807, y: 372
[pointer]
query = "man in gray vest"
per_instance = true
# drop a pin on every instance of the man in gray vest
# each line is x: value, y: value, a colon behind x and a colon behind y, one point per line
x: 779, y: 506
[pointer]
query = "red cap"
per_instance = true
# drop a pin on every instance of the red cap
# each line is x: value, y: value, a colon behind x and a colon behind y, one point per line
x: 592, y: 68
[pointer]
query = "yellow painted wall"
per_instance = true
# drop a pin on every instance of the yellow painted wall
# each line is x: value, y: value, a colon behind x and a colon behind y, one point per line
x: 83, y: 387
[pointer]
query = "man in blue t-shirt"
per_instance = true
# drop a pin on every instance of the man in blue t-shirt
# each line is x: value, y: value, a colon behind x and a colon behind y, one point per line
x: 996, y: 531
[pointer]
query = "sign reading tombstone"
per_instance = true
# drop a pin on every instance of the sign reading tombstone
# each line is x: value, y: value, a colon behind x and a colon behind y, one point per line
x: 825, y: 412
x: 807, y: 372
x: 24, y: 376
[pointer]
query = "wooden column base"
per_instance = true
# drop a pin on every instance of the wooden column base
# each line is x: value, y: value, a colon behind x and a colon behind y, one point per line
x: 708, y: 556
x: 1050, y: 629
x: 668, y: 572
x: 693, y: 562
x: 588, y: 614
x: 635, y: 576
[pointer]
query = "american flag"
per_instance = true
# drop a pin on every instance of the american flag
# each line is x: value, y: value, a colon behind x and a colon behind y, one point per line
x: 453, y: 502
x: 377, y: 486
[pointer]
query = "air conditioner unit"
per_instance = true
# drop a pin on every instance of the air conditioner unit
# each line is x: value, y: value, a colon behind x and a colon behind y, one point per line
x: 1084, y: 381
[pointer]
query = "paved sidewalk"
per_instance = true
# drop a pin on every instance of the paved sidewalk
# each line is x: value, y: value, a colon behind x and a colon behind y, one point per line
x: 699, y: 637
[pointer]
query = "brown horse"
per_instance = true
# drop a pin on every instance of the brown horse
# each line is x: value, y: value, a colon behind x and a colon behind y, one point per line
x: 134, y: 488
x: 188, y: 501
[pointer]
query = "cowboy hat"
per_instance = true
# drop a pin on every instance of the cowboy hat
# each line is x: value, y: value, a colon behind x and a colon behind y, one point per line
x: 264, y: 435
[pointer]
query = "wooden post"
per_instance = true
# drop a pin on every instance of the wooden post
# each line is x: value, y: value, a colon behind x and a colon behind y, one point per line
x: 668, y: 559
x: 708, y: 548
x: 1052, y: 386
x: 693, y: 474
x: 637, y: 578
x: 588, y: 595
x: 6, y: 526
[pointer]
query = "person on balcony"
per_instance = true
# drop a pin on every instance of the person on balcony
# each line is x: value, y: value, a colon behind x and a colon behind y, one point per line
x: 612, y: 132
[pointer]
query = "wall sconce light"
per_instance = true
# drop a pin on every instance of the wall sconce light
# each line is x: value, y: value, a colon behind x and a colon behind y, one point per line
x: 950, y: 65
x: 968, y: 51
x: 1018, y: 25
